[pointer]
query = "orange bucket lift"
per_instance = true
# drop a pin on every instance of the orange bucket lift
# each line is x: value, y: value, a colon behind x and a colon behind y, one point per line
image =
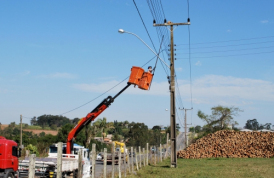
x: 140, y: 78
x: 136, y: 75
x: 145, y: 81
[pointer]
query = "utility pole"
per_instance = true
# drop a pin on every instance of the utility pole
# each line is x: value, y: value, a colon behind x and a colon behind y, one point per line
x: 21, y: 146
x: 172, y: 92
x: 186, y: 125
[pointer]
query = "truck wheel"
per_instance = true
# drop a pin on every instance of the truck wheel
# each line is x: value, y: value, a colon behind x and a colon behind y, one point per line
x: 9, y: 175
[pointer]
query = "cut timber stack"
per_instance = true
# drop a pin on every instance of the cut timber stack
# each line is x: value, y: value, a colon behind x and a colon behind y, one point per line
x: 231, y: 144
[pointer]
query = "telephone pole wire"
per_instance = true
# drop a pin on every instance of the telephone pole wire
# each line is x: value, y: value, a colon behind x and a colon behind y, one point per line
x: 172, y: 92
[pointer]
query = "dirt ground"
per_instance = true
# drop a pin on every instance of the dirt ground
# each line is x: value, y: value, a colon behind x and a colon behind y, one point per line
x: 52, y: 132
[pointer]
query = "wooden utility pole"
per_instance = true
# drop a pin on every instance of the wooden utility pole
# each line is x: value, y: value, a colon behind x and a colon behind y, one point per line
x: 172, y: 92
x: 21, y: 146
x: 186, y: 143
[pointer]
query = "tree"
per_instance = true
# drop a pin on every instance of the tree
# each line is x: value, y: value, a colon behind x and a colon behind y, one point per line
x: 220, y: 117
x: 138, y: 134
x: 156, y: 127
x: 195, y: 129
x: 252, y: 124
x: 178, y: 127
x: 33, y: 121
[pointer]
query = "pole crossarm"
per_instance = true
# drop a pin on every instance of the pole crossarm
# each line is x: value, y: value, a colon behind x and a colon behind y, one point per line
x: 170, y: 23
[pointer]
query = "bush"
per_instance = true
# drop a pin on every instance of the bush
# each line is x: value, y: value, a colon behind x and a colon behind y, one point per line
x: 32, y: 149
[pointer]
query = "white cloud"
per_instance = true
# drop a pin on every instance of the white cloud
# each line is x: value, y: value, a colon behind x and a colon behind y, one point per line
x: 229, y: 90
x: 58, y: 76
x: 179, y: 69
x: 209, y: 89
x: 161, y: 88
x: 264, y: 21
x: 228, y: 31
x: 198, y: 63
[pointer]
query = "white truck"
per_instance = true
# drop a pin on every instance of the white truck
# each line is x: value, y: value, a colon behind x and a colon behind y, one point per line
x: 47, y: 167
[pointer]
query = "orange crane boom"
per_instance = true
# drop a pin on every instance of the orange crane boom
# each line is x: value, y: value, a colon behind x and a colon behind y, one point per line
x: 90, y: 117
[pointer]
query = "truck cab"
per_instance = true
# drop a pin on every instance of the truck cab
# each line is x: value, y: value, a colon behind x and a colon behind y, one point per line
x: 9, y: 154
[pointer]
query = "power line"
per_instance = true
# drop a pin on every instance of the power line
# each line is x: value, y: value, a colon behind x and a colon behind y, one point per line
x: 147, y: 31
x: 158, y: 29
x: 234, y: 45
x: 190, y: 70
x: 244, y: 39
x: 229, y: 50
x: 231, y: 55
x: 105, y: 91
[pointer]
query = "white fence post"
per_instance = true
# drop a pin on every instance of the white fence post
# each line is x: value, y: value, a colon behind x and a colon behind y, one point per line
x: 144, y: 157
x: 59, y: 159
x: 32, y: 165
x: 132, y: 162
x: 93, y: 159
x: 161, y: 153
x: 119, y: 164
x: 80, y: 167
x: 128, y: 161
x: 147, y: 153
x: 125, y: 161
x: 105, y: 162
x: 140, y: 157
x: 155, y: 158
x: 136, y: 160
x: 113, y: 159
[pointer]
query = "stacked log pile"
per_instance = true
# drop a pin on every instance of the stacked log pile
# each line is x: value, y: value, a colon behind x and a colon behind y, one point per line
x: 231, y: 144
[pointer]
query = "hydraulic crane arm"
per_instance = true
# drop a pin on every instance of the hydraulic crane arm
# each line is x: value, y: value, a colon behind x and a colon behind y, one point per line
x: 90, y: 117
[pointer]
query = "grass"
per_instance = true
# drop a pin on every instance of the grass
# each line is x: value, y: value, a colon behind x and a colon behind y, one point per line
x: 210, y: 168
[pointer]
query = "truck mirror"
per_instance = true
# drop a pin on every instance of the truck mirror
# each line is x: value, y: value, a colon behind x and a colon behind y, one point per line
x: 19, y: 152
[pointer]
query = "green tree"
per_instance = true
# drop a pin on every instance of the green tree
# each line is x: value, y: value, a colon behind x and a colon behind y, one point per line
x: 252, y: 124
x: 33, y: 149
x: 220, y: 117
x: 138, y: 134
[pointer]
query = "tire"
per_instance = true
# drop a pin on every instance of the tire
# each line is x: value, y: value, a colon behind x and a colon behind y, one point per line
x: 9, y: 174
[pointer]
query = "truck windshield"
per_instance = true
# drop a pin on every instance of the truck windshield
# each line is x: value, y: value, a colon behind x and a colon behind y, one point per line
x: 53, y: 149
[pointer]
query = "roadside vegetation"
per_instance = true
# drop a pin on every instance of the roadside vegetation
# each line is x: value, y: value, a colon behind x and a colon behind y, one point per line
x: 134, y: 134
x: 210, y: 168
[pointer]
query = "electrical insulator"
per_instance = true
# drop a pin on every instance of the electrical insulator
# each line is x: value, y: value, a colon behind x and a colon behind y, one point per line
x: 154, y: 21
x: 165, y: 21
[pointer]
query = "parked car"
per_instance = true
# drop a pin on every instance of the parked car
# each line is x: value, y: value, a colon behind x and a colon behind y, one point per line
x: 99, y: 156
x: 133, y: 154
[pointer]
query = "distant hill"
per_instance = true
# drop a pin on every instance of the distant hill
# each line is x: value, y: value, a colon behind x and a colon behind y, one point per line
x: 35, y: 131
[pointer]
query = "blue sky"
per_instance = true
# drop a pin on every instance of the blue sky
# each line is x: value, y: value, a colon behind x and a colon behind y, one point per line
x: 58, y: 55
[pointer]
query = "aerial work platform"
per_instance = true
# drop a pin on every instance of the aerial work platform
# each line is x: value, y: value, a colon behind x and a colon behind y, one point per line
x: 141, y: 78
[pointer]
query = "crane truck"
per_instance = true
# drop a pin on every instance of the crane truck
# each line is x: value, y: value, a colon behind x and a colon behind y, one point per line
x: 9, y: 153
